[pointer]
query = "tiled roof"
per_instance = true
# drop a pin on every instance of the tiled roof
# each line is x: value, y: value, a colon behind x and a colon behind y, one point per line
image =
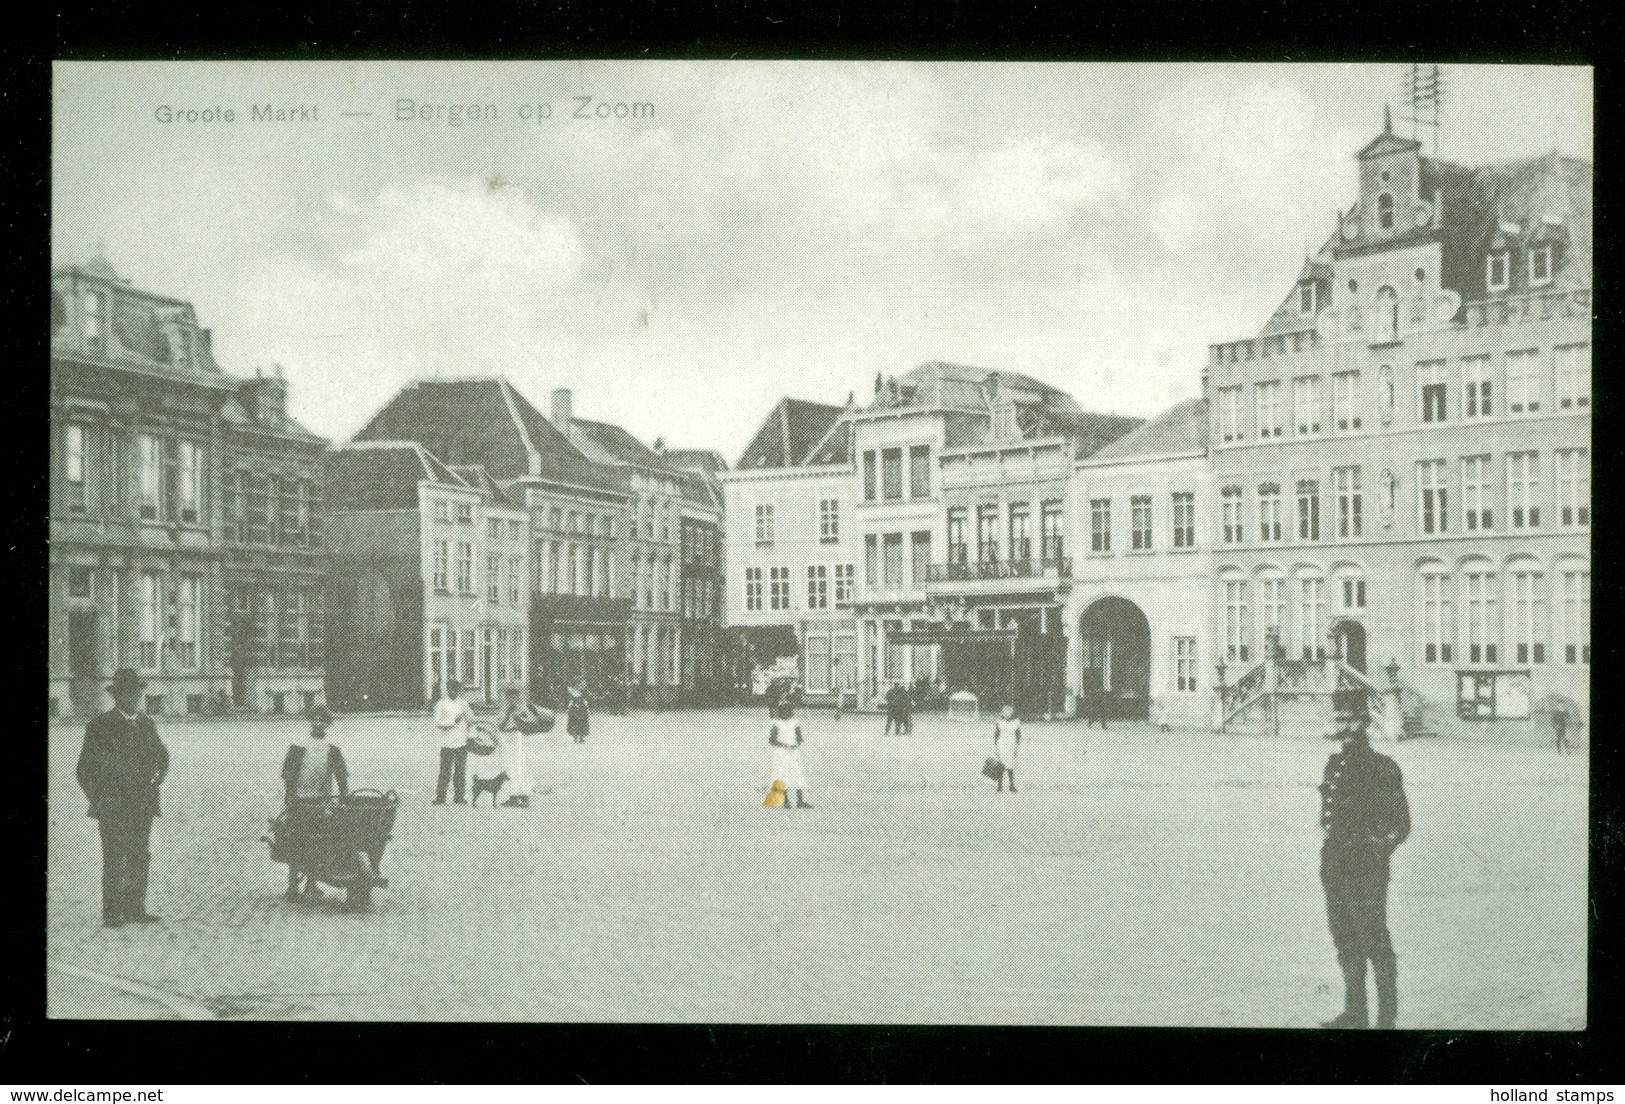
x: 607, y: 443
x: 941, y: 384
x: 487, y: 422
x: 1522, y: 202
x: 382, y: 475
x: 707, y: 460
x: 789, y: 434
x: 1180, y: 429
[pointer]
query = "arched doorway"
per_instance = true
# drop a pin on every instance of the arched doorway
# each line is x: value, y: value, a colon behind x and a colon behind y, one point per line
x: 1114, y: 640
x: 1350, y: 639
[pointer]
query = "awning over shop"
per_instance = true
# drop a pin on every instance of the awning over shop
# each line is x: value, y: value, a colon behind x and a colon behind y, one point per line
x: 952, y: 636
x: 769, y: 642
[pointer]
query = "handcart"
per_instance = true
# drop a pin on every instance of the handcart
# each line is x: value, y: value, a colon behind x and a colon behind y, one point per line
x: 337, y: 841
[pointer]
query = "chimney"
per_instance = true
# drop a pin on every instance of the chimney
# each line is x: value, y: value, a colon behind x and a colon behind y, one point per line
x: 660, y: 446
x: 561, y: 409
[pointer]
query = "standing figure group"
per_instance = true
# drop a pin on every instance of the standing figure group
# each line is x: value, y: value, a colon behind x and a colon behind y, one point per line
x: 899, y: 710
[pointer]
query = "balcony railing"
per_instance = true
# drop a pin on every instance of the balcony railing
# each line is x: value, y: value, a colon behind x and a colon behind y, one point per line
x: 965, y: 571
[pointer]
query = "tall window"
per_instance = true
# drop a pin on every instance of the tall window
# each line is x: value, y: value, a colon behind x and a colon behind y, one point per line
x: 1346, y: 485
x: 1433, y: 511
x: 1346, y: 405
x: 1272, y: 605
x: 1498, y: 271
x: 1308, y: 510
x: 493, y: 577
x: 869, y: 476
x: 764, y: 524
x: 1230, y: 497
x: 1477, y: 387
x: 817, y: 587
x: 919, y: 471
x: 871, y: 561
x: 1477, y: 493
x: 891, y: 473
x: 1139, y: 522
x: 471, y: 671
x: 1052, y: 529
x: 1306, y: 298
x: 1573, y: 369
x: 829, y: 520
x: 845, y: 583
x: 1237, y: 621
x: 1353, y: 591
x: 1431, y: 382
x: 1523, y: 489
x: 920, y: 557
x: 589, y: 573
x: 113, y: 478
x: 1573, y: 487
x: 74, y: 455
x: 1306, y: 405
x: 1185, y: 664
x: 1576, y: 613
x: 1523, y: 382
x: 1311, y: 617
x: 516, y: 567
x: 956, y: 535
x: 151, y: 620
x: 465, y: 513
x: 753, y: 588
x: 1229, y: 414
x: 1483, y: 618
x: 465, y: 567
x: 987, y: 533
x: 1100, y: 525
x: 442, y: 569
x: 1269, y: 512
x: 1437, y: 623
x: 1021, y: 532
x: 779, y: 588
x: 1526, y: 594
x: 1184, y: 519
x: 493, y: 529
x: 891, y: 561
x: 1268, y: 407
x: 817, y: 663
x: 187, y: 596
x: 152, y: 475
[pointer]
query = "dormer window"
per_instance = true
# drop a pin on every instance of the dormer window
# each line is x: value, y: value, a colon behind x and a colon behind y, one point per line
x: 1540, y: 265
x: 1004, y: 423
x: 95, y: 320
x: 1385, y: 212
x: 1498, y: 271
x: 1306, y: 298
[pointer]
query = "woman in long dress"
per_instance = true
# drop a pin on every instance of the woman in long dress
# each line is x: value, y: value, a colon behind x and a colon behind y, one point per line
x: 516, y: 720
x: 786, y: 738
x: 1007, y: 744
x: 578, y: 715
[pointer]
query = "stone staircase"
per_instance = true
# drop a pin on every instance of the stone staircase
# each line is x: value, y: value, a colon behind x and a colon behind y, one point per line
x: 1292, y: 699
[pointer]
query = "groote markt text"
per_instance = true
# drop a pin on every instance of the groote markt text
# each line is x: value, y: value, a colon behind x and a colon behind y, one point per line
x: 406, y: 110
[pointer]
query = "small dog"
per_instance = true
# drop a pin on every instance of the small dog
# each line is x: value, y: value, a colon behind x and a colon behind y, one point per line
x: 492, y: 786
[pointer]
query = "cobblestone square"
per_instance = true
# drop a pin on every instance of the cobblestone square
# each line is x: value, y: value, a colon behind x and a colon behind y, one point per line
x: 1138, y: 878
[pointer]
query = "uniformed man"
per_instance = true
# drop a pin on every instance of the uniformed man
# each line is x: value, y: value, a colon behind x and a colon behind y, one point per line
x: 1364, y: 815
x: 121, y: 766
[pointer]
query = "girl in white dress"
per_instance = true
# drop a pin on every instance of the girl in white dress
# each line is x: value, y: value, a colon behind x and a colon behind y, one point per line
x: 1007, y: 744
x: 785, y: 738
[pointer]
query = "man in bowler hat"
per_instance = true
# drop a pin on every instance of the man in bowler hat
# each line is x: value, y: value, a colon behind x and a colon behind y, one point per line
x: 121, y: 766
x: 1365, y: 817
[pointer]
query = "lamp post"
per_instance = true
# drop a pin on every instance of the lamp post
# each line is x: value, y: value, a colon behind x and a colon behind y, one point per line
x: 1219, y: 691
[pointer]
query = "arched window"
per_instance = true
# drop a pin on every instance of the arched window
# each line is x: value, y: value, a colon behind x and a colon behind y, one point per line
x: 1527, y: 625
x: 1387, y: 314
x: 1237, y: 616
x: 1385, y: 212
x: 1573, y: 596
x: 1271, y: 605
x: 1481, y: 602
x: 1436, y: 622
x: 1309, y: 592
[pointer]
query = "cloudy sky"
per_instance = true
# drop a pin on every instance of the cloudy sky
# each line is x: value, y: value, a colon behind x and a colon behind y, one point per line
x: 772, y: 229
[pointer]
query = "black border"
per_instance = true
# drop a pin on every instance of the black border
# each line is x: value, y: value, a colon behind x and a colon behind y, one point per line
x: 60, y: 1053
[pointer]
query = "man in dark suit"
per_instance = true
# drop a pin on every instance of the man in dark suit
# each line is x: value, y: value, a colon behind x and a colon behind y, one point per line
x: 1365, y: 817
x: 121, y: 766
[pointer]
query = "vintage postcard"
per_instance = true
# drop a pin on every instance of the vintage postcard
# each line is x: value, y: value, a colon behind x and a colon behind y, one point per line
x: 821, y: 543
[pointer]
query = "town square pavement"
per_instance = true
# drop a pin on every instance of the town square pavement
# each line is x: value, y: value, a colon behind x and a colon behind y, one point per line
x: 1138, y: 878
